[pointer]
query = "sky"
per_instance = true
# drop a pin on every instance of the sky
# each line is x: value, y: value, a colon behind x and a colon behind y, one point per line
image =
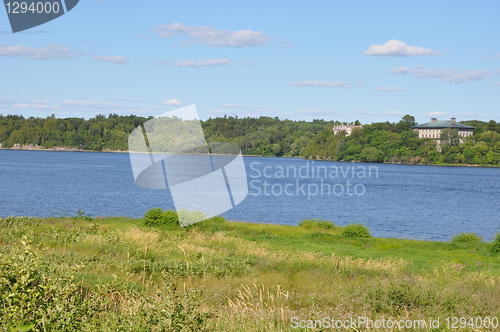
x: 371, y: 61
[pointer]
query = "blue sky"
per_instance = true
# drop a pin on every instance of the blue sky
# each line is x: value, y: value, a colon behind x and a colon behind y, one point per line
x: 332, y: 60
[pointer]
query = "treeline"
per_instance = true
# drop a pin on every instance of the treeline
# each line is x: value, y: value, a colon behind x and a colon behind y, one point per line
x: 399, y: 143
x: 264, y: 136
x: 96, y: 134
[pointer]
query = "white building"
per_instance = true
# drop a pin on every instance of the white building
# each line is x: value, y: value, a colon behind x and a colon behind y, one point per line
x: 345, y: 127
x: 433, y: 129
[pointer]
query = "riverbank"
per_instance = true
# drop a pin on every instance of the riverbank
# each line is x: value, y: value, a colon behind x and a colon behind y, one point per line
x: 232, y: 276
x: 31, y: 147
x: 34, y: 147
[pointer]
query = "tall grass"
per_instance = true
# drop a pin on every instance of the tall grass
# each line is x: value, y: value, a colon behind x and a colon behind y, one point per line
x: 81, y: 274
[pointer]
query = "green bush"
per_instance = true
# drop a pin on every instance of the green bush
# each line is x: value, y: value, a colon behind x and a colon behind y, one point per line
x: 34, y: 297
x: 170, y: 219
x: 158, y: 218
x: 356, y: 230
x: 38, y: 295
x: 495, y: 248
x: 190, y: 217
x: 214, y: 224
x: 466, y: 237
x: 317, y: 223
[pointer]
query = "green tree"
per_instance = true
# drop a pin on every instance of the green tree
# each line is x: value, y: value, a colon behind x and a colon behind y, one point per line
x: 449, y: 137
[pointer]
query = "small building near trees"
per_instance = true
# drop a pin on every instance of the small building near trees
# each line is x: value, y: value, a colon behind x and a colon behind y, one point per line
x: 345, y: 127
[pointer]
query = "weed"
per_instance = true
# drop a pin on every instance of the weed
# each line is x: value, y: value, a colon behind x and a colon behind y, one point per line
x: 317, y: 223
x: 495, y: 246
x: 355, y: 230
x: 158, y: 218
x: 466, y: 237
x: 82, y: 216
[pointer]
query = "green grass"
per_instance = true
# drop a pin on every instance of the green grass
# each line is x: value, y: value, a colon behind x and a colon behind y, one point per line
x: 117, y: 274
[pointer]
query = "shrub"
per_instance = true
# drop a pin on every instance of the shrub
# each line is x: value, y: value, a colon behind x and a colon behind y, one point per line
x: 190, y: 217
x: 317, y: 223
x: 215, y: 223
x: 35, y: 298
x: 495, y: 248
x: 41, y: 296
x: 158, y: 218
x: 356, y: 230
x: 466, y: 237
x: 82, y: 216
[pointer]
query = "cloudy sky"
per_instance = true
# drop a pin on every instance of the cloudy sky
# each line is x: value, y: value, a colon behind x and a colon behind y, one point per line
x: 334, y: 60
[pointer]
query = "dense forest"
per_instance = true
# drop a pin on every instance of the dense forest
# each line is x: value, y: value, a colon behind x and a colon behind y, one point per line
x: 377, y: 142
x: 264, y: 136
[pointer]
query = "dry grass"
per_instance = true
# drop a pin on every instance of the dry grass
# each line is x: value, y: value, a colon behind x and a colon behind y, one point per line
x: 251, y: 282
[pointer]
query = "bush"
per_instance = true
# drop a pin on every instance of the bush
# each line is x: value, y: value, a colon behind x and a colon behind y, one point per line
x: 495, y: 248
x: 158, y: 218
x: 215, y: 223
x: 317, y: 223
x: 356, y: 230
x: 466, y: 237
x: 33, y: 297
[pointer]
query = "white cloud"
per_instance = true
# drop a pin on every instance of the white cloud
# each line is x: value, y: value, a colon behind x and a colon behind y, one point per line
x: 36, y: 104
x: 51, y: 52
x: 102, y: 108
x: 113, y: 59
x: 468, y: 76
x: 252, y: 112
x: 364, y: 113
x: 446, y: 74
x: 436, y: 114
x: 319, y: 112
x: 360, y: 84
x: 385, y: 88
x: 175, y: 102
x: 399, y: 70
x: 41, y: 102
x: 495, y: 83
x: 393, y: 113
x: 29, y: 105
x: 203, y: 63
x: 398, y: 48
x: 131, y: 100
x: 87, y: 104
x: 212, y: 37
x: 336, y: 84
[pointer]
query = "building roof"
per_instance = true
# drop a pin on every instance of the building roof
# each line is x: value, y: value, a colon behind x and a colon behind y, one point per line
x: 348, y: 126
x: 442, y: 125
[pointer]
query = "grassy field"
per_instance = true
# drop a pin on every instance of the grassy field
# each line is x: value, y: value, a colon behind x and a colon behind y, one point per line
x: 116, y: 274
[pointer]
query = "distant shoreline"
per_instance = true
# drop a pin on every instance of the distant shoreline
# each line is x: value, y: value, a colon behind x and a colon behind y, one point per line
x: 68, y: 149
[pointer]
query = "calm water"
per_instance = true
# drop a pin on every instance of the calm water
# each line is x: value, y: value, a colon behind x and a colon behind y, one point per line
x: 420, y: 202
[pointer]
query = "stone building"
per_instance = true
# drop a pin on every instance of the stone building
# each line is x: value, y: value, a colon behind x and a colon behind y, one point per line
x: 433, y: 129
x: 345, y: 127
